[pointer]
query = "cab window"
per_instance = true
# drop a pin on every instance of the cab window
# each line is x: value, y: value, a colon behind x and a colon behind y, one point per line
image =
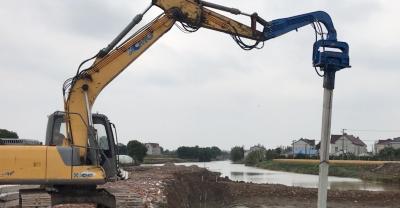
x: 102, y: 136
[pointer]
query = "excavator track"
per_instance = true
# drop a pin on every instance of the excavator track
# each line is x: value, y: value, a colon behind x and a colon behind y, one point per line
x: 125, y: 198
x: 34, y: 198
x: 41, y: 198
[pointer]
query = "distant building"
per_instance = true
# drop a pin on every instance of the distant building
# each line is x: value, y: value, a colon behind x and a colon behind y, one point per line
x: 254, y: 148
x: 381, y: 144
x: 343, y: 144
x: 153, y: 149
x: 257, y: 147
x: 305, y: 147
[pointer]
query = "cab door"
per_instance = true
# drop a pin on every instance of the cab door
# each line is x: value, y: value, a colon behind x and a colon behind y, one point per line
x: 105, y: 140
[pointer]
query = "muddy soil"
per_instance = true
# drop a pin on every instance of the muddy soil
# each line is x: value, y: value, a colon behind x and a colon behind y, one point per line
x: 196, y: 187
x: 180, y: 186
x: 225, y: 193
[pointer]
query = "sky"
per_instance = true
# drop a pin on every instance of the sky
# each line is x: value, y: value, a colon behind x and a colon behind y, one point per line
x: 201, y: 88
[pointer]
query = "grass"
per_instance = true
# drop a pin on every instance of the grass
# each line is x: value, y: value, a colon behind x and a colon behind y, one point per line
x: 383, y: 171
x: 159, y: 159
x: 347, y: 169
x: 336, y: 162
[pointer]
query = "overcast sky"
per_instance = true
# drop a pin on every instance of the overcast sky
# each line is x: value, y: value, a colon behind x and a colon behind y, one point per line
x: 201, y: 88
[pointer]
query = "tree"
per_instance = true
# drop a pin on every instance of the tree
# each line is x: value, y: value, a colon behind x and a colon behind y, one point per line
x: 202, y: 154
x: 389, y: 153
x: 215, y: 152
x: 4, y: 133
x: 271, y: 154
x: 169, y: 152
x: 278, y: 150
x: 137, y: 150
x: 254, y: 157
x: 122, y: 149
x: 237, y: 153
x: 188, y: 152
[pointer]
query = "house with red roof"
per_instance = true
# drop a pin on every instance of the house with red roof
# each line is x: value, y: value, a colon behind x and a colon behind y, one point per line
x: 345, y: 143
x: 383, y: 143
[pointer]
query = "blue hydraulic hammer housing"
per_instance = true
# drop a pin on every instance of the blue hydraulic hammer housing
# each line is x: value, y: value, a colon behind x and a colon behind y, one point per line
x: 329, y: 54
x: 338, y: 59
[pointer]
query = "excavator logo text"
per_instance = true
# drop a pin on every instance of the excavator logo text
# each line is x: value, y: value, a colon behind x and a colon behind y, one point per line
x: 139, y: 44
x: 84, y: 175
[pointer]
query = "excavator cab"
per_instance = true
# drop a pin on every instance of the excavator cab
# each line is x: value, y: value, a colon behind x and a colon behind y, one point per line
x: 65, y: 176
x: 101, y: 151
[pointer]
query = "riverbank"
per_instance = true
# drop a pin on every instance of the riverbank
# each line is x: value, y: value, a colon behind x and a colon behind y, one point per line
x: 180, y: 186
x: 387, y: 172
x: 202, y: 188
x: 162, y: 159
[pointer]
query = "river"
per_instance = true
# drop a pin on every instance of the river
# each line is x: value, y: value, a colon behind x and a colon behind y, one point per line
x: 240, y: 172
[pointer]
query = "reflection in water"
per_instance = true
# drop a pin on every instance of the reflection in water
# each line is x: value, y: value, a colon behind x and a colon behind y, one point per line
x: 238, y: 176
x: 239, y: 172
x: 254, y: 174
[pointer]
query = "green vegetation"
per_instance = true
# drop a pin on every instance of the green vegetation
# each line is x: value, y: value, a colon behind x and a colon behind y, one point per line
x: 342, y: 170
x: 201, y: 154
x: 366, y: 167
x: 237, y: 154
x: 254, y: 157
x: 4, y: 133
x: 160, y: 159
x: 122, y: 149
x: 385, y: 172
x: 388, y: 154
x: 273, y: 153
x: 136, y: 150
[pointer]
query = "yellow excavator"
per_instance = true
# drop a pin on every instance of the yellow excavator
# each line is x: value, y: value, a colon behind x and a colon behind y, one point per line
x: 80, y: 149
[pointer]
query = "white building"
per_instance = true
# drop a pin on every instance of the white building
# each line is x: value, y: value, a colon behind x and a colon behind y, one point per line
x: 254, y: 148
x: 381, y: 144
x: 343, y: 144
x: 153, y: 149
x: 304, y: 147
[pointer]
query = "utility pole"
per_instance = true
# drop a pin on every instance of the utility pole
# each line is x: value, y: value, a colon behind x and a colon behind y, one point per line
x: 293, y: 148
x: 343, y: 133
x: 305, y: 149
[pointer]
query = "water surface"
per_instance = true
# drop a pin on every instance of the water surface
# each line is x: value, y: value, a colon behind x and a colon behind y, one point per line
x: 240, y: 172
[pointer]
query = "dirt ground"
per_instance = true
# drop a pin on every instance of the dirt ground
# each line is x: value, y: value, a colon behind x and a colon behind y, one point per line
x: 180, y: 186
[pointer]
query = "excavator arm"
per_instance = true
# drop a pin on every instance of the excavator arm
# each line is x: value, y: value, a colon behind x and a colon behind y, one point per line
x: 83, y: 88
x: 88, y: 83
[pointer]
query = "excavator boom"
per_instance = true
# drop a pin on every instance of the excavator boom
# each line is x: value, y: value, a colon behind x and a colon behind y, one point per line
x: 192, y: 14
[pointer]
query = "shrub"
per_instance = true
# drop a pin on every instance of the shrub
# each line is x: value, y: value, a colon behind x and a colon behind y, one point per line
x: 237, y: 153
x: 254, y: 157
x: 137, y: 150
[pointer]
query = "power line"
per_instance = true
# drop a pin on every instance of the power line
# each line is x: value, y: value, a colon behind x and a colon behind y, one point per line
x: 372, y: 130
